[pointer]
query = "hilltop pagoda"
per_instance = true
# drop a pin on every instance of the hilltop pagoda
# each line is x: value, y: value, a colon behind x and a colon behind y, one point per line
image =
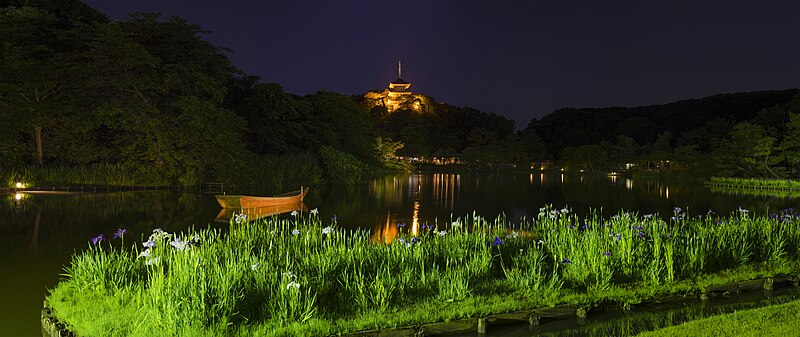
x: 398, y: 89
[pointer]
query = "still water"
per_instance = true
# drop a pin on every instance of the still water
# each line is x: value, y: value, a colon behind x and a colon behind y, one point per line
x: 39, y: 232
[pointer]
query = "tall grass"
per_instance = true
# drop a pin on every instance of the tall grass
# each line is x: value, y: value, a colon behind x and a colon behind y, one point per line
x: 92, y: 174
x: 309, y: 274
x: 756, y: 182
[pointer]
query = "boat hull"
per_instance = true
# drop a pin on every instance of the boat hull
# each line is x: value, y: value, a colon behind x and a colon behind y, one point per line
x: 226, y: 214
x: 246, y: 201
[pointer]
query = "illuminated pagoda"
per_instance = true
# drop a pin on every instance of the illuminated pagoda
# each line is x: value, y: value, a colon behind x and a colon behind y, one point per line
x: 398, y: 89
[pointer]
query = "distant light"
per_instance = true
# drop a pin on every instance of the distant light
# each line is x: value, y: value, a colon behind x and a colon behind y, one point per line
x: 19, y: 185
x: 18, y: 196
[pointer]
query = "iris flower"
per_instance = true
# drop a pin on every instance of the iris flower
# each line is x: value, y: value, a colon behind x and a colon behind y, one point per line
x: 497, y: 241
x: 119, y: 233
x: 145, y: 253
x: 98, y: 239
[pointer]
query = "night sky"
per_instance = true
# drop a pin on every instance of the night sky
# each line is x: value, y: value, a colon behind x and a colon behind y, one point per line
x: 522, y: 60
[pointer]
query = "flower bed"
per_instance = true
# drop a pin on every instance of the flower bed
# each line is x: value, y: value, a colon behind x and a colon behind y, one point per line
x: 306, y: 276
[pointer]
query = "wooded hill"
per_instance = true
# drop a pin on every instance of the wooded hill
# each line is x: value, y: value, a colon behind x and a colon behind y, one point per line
x: 750, y: 134
x: 151, y: 96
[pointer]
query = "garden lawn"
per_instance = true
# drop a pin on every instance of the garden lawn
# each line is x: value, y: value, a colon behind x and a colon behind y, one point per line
x: 779, y: 320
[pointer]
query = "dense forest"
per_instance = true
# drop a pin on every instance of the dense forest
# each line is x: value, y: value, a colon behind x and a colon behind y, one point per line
x: 151, y: 97
x: 754, y: 134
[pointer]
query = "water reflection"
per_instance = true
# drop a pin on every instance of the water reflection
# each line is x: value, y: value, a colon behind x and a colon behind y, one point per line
x: 417, y: 199
x: 38, y: 233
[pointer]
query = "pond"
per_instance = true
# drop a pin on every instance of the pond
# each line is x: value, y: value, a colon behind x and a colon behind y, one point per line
x: 39, y: 232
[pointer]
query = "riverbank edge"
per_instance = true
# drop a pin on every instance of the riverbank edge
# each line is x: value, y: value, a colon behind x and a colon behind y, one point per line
x: 51, y: 325
x: 54, y: 327
x: 751, y: 184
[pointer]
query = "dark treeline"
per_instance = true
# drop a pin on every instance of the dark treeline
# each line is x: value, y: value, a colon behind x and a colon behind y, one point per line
x: 152, y: 99
x: 755, y: 134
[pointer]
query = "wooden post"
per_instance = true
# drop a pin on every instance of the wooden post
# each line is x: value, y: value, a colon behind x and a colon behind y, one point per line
x: 768, y: 284
x: 533, y: 323
x: 482, y: 325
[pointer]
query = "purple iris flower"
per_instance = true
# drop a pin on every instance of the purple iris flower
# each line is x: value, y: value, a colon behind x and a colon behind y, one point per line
x: 677, y: 210
x: 334, y: 218
x: 415, y: 240
x: 401, y: 225
x: 607, y: 253
x: 497, y: 241
x: 642, y: 235
x: 638, y: 228
x: 566, y: 261
x: 98, y: 239
x: 119, y: 233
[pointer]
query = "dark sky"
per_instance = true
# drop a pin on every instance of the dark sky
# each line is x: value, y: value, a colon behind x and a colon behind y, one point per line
x: 518, y: 59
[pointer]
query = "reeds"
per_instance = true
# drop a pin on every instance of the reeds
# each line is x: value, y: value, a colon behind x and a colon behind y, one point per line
x: 103, y: 174
x: 280, y: 272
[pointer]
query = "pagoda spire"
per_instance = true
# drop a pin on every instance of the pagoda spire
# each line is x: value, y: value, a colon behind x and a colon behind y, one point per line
x: 399, y: 69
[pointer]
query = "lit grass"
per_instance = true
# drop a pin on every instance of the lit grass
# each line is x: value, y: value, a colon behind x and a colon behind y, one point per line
x: 756, y: 183
x: 303, y: 276
x: 777, y: 320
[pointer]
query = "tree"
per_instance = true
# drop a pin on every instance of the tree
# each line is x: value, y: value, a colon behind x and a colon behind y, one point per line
x: 791, y: 145
x: 34, y: 74
x: 746, y: 152
x: 387, y: 154
x: 591, y: 157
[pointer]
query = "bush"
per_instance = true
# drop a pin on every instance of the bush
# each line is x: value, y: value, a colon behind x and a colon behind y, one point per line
x: 341, y: 166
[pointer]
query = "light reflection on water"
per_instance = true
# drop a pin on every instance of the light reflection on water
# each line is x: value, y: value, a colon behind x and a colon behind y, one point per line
x: 38, y: 233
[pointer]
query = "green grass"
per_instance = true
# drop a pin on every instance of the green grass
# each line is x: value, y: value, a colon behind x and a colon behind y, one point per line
x: 90, y: 174
x: 777, y: 320
x: 756, y: 183
x: 305, y: 276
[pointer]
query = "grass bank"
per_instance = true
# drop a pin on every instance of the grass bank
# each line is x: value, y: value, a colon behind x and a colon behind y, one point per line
x: 305, y: 275
x: 778, y: 320
x: 755, y: 183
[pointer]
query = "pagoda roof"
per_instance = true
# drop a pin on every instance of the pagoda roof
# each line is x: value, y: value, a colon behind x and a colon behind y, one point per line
x: 400, y: 81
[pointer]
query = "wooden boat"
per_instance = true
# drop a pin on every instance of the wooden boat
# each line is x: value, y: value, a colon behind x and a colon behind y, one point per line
x: 226, y: 214
x: 246, y: 201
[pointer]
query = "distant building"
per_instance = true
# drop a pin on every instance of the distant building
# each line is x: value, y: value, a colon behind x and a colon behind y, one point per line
x: 397, y: 97
x: 398, y: 90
